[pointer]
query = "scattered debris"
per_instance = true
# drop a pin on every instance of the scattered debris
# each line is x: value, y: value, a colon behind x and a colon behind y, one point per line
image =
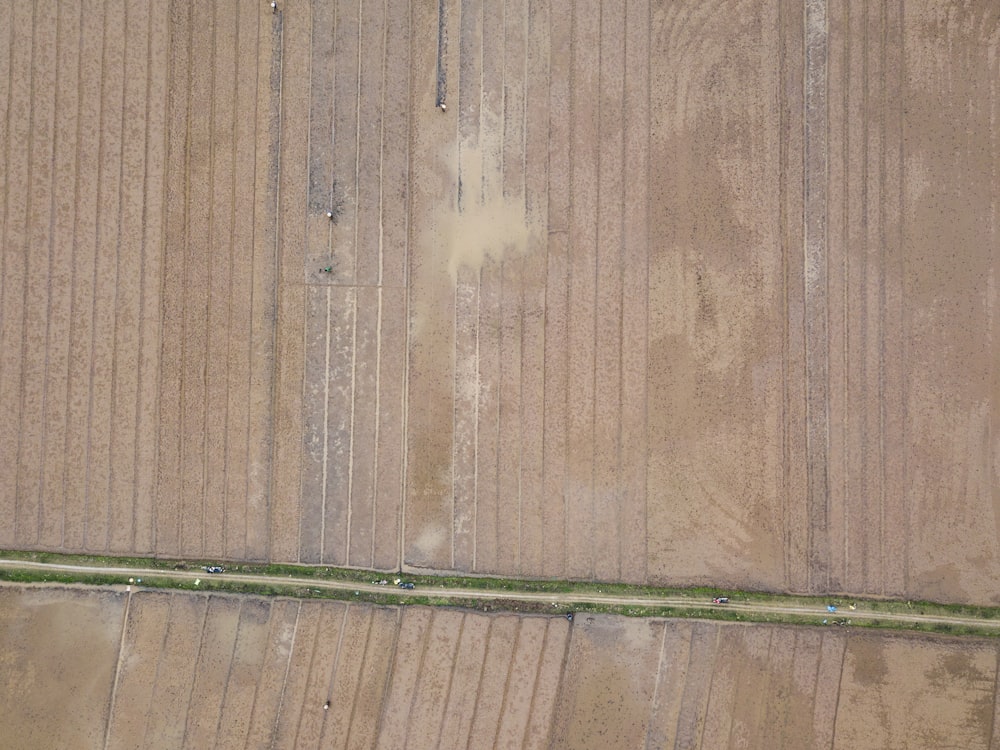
x: 831, y: 608
x: 197, y: 581
x: 569, y: 616
x: 326, y: 706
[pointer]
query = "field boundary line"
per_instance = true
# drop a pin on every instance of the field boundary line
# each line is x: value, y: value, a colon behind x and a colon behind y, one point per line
x: 88, y: 425
x: 6, y: 171
x: 567, y: 645
x: 73, y: 287
x: 197, y: 662
x: 326, y: 429
x: 142, y: 275
x: 284, y: 681
x: 118, y: 670
x: 229, y: 436
x: 53, y: 181
x: 654, y: 701
x: 208, y: 285
x: 996, y: 700
x: 534, y: 681
x: 506, y: 682
x: 159, y: 663
x: 275, y: 123
x: 383, y: 707
x: 479, y: 681
x: 320, y: 616
x: 836, y: 704
x: 22, y: 375
x: 229, y: 670
x: 453, y: 660
x: 425, y: 641
x: 333, y: 672
x: 260, y: 673
x: 357, y: 681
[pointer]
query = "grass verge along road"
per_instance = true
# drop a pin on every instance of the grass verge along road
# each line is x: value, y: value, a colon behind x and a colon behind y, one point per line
x: 496, y: 594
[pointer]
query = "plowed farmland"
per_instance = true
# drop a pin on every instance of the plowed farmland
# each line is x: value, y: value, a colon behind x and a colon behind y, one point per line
x: 681, y: 292
x: 165, y: 670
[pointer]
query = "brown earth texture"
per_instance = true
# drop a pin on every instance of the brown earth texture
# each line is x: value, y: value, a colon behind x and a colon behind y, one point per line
x: 685, y: 292
x: 676, y: 292
x: 117, y: 669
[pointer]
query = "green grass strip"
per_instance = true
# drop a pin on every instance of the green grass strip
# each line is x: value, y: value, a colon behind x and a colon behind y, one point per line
x: 427, y: 583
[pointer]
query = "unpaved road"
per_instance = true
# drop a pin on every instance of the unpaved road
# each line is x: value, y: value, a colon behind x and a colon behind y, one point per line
x: 756, y: 608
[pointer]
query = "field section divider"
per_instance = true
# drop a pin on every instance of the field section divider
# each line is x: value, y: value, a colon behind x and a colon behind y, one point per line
x: 498, y: 595
x: 815, y: 291
x: 118, y: 670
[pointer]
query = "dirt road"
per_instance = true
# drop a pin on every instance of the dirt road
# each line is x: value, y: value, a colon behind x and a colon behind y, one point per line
x: 755, y: 608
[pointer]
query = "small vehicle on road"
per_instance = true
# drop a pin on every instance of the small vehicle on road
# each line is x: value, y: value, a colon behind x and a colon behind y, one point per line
x: 720, y: 600
x: 405, y: 585
x: 213, y: 569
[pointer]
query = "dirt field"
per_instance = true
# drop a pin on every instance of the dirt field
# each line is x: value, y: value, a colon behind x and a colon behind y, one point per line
x: 58, y: 649
x: 686, y: 292
x: 167, y: 670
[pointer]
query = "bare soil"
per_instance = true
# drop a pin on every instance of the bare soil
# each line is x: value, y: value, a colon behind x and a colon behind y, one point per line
x: 682, y: 293
x: 58, y: 654
x: 163, y: 670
